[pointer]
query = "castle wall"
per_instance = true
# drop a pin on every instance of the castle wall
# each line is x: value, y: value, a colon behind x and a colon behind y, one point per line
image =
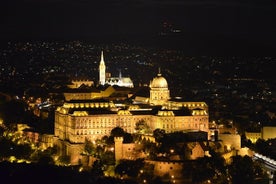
x: 253, y: 136
x: 197, y: 152
x: 231, y: 141
x: 173, y: 169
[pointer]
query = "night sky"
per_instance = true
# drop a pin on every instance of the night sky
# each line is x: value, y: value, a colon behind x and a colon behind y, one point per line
x: 230, y: 24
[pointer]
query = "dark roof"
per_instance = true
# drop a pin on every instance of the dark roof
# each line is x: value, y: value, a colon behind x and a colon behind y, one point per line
x: 198, y: 108
x: 91, y: 111
x: 204, y: 147
x: 181, y: 99
x: 141, y: 91
x: 118, y: 94
x: 154, y: 110
x: 182, y: 112
x: 82, y: 89
x: 122, y: 88
x: 103, y: 87
x: 89, y: 101
x: 143, y: 112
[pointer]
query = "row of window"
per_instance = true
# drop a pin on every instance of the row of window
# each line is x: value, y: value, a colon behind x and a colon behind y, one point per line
x: 95, y: 120
x: 92, y: 132
x: 102, y: 125
x: 94, y: 125
x: 95, y: 132
x: 189, y: 125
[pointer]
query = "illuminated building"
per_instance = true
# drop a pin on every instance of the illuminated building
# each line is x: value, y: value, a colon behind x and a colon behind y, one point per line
x: 269, y: 132
x: 93, y: 115
x: 78, y: 83
x: 120, y: 81
x: 105, y: 78
x: 253, y: 136
x: 159, y: 92
x: 266, y: 132
x: 102, y: 70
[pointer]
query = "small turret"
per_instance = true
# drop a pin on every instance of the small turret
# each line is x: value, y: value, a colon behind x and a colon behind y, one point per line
x: 118, y: 148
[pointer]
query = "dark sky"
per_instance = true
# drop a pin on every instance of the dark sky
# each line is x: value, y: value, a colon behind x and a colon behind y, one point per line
x: 228, y: 21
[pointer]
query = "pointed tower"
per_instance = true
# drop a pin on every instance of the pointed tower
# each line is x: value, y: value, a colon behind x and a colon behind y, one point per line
x: 102, y: 70
x: 120, y: 74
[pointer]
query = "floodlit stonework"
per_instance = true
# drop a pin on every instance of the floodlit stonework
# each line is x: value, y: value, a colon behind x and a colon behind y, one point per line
x: 92, y: 115
x: 159, y: 93
x: 102, y: 70
x: 78, y: 83
x: 105, y: 78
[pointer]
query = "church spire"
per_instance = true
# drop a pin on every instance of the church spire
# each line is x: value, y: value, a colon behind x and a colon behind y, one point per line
x: 102, y: 57
x: 120, y: 74
x: 102, y: 70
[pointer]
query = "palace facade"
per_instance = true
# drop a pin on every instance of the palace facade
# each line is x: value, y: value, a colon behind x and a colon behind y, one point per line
x: 94, y: 116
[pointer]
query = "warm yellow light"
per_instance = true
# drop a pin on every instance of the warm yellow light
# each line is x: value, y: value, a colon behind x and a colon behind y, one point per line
x: 12, y: 159
x: 20, y: 161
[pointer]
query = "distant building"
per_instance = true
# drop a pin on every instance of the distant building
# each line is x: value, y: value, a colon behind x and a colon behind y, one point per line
x: 120, y: 81
x: 253, y: 136
x: 266, y: 132
x: 78, y: 83
x: 84, y: 93
x: 197, y: 150
x: 105, y: 78
x: 225, y: 138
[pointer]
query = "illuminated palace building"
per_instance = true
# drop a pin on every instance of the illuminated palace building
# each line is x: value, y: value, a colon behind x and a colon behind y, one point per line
x: 93, y: 114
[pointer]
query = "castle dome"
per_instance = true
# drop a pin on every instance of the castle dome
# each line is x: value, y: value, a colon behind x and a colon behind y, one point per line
x: 159, y: 82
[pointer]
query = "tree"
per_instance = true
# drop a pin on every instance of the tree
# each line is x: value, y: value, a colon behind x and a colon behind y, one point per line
x: 13, y: 113
x: 89, y: 148
x: 117, y: 132
x: 108, y: 158
x: 158, y: 134
x: 203, y: 170
x: 23, y: 151
x: 97, y: 169
x: 2, y: 130
x: 64, y: 159
x: 7, y: 147
x: 46, y: 160
x: 128, y: 138
x: 10, y: 148
x: 207, y: 168
x: 129, y: 167
x: 241, y: 169
x: 261, y: 146
x: 150, y: 148
x: 142, y: 127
